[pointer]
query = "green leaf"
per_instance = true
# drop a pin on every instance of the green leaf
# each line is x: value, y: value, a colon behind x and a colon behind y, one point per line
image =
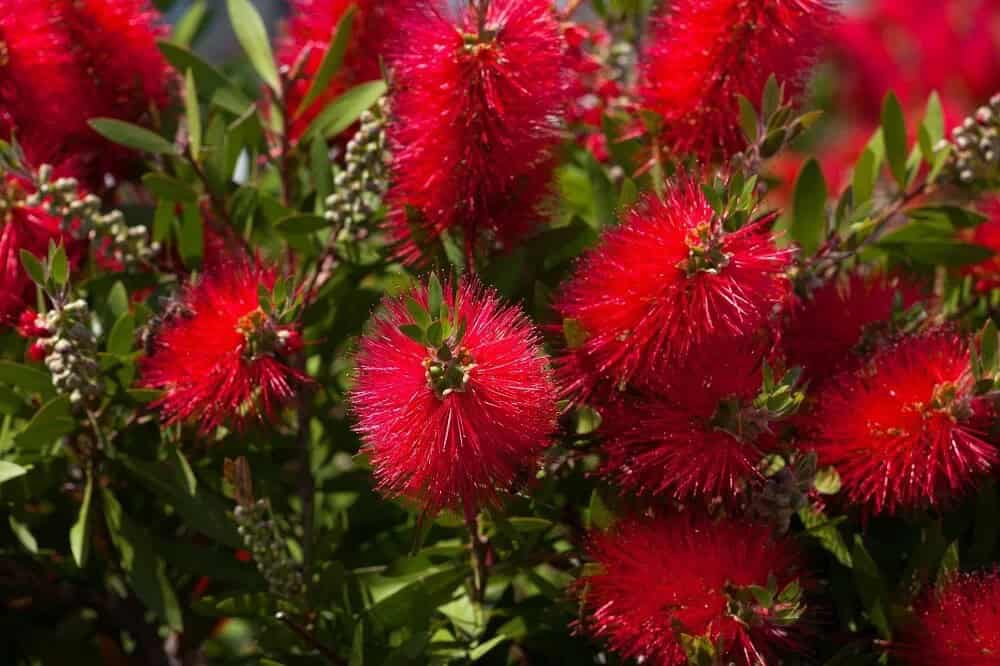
x: 482, y: 649
x: 871, y: 586
x: 9, y: 470
x: 301, y: 223
x: 132, y: 136
x: 332, y: 60
x: 808, y: 227
x: 205, y: 513
x: 530, y: 524
x: 748, y: 118
x: 322, y: 172
x: 23, y: 534
x: 628, y: 195
x: 421, y: 596
x: 826, y: 533
x: 33, y: 267
x: 50, y: 423
x: 208, y: 77
x: 956, y: 216
x: 343, y: 111
x: 414, y: 332
x: 118, y: 299
x: 191, y: 238
x: 192, y: 113
x: 79, y: 534
x: 599, y: 515
x: 168, y: 187
x: 26, y: 377
x: 145, y: 570
x: 894, y: 137
x: 252, y: 36
x: 934, y: 118
x: 122, y: 336
x: 771, y: 98
x: 188, y: 27
x: 187, y: 474
x: 59, y: 266
x: 435, y: 297
x: 358, y: 645
x: 827, y: 481
x: 420, y: 316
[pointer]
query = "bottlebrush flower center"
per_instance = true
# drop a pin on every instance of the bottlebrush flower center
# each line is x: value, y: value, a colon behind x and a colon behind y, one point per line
x: 743, y: 422
x: 705, y: 252
x: 260, y: 336
x: 448, y: 371
x: 947, y: 398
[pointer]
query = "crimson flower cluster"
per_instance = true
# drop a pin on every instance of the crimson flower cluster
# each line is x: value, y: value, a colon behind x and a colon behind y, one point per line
x: 218, y: 357
x: 66, y: 61
x: 476, y: 110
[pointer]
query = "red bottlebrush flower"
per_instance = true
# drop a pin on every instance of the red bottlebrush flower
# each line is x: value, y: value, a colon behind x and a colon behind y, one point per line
x: 221, y: 358
x: 453, y: 425
x: 704, y: 53
x: 21, y: 228
x: 666, y: 578
x: 122, y: 74
x: 475, y: 118
x: 841, y: 319
x: 667, y: 284
x: 27, y: 325
x: 306, y: 38
x: 987, y: 234
x: 693, y: 433
x: 39, y: 86
x: 914, y: 47
x: 901, y: 429
x: 956, y: 624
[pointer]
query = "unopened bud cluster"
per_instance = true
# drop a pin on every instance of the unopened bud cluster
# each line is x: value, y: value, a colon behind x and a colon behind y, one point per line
x: 71, y: 353
x: 82, y: 217
x: 263, y: 539
x: 359, y: 187
x: 975, y: 158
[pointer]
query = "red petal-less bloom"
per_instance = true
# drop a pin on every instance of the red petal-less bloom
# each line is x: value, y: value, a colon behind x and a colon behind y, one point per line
x: 841, y: 318
x: 703, y: 53
x: 914, y: 47
x: 460, y: 446
x: 666, y: 284
x: 121, y: 74
x: 956, y: 624
x: 310, y: 25
x: 902, y: 428
x: 28, y: 229
x: 675, y: 575
x: 39, y: 87
x: 220, y: 359
x: 678, y: 439
x: 475, y: 118
x: 987, y: 234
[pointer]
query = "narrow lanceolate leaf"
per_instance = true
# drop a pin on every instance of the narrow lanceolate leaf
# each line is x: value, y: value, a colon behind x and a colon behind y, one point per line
x: 192, y: 113
x: 9, y: 470
x: 808, y: 226
x: 894, y: 136
x: 132, y: 136
x: 33, y: 267
x: 79, y: 534
x: 252, y: 35
x: 343, y: 111
x: 332, y: 60
x: 188, y: 27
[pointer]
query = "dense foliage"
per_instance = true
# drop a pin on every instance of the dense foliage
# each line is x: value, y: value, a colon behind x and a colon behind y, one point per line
x: 441, y: 333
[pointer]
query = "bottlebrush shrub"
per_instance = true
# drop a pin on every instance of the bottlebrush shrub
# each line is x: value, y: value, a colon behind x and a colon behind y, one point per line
x: 440, y: 333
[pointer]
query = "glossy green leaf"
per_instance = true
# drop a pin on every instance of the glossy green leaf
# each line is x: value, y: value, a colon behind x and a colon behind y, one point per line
x: 122, y: 336
x: 23, y: 534
x: 79, y: 534
x: 301, y: 223
x: 332, y: 60
x: 252, y: 36
x: 168, y: 187
x: 26, y: 377
x: 346, y: 109
x: 189, y: 25
x: 132, y: 136
x: 894, y: 137
x: 34, y: 267
x: 192, y: 114
x: 9, y: 470
x: 808, y: 227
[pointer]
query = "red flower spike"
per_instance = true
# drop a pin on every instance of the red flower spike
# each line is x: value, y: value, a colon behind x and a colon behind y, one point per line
x: 457, y: 447
x: 669, y: 577
x: 221, y: 359
x: 704, y: 53
x: 22, y: 228
x: 668, y: 284
x: 827, y: 330
x: 306, y: 38
x: 901, y: 429
x: 693, y: 432
x: 39, y: 85
x: 956, y: 624
x: 475, y: 119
